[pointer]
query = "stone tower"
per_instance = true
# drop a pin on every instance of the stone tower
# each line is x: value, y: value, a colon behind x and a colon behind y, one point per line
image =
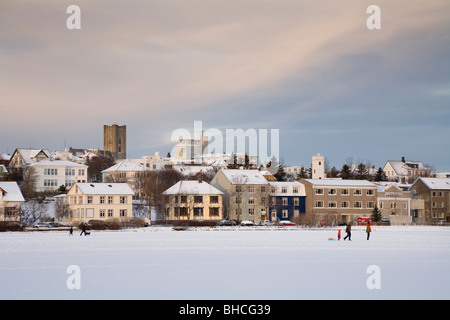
x: 115, y: 140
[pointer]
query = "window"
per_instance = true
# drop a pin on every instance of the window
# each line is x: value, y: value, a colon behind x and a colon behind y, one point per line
x: 332, y: 204
x: 251, y: 188
x: 251, y: 211
x: 89, y: 199
x: 123, y: 200
x: 332, y: 192
x: 284, y: 213
x: 263, y: 189
x: 295, y: 190
x: 296, y: 201
x: 357, y: 204
x: 213, y: 212
x: 198, y: 212
x: 102, y: 213
x: 198, y: 199
x: 344, y: 204
x: 123, y: 213
x: 183, y: 199
x: 284, y: 201
x: 344, y: 192
x: 251, y: 201
x: 283, y: 189
x: 214, y: 199
x: 89, y: 213
x: 110, y: 199
x: 319, y: 204
x: 369, y: 192
x: 370, y: 204
x: 110, y: 213
x: 319, y: 191
x: 102, y: 199
x: 357, y: 192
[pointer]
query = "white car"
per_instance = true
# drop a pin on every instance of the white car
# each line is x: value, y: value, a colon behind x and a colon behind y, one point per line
x: 247, y: 223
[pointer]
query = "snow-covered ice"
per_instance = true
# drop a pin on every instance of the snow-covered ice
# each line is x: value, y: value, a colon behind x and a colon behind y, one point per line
x: 240, y: 263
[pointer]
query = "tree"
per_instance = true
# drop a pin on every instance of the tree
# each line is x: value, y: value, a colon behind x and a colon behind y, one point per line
x: 345, y: 172
x: 376, y: 215
x: 380, y: 176
x: 96, y: 165
x: 361, y: 172
x: 28, y: 185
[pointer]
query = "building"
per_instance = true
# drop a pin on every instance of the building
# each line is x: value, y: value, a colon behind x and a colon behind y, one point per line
x: 189, y: 151
x: 286, y: 200
x: 115, y: 140
x: 100, y: 201
x: 193, y: 200
x: 246, y: 194
x: 318, y: 167
x: 52, y: 174
x: 406, y: 171
x: 434, y: 193
x: 11, y: 199
x: 23, y: 157
x: 128, y: 172
x: 394, y: 203
x: 331, y: 201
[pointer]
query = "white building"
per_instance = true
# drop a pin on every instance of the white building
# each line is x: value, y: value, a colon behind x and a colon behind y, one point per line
x: 11, y: 199
x: 318, y: 167
x: 57, y: 173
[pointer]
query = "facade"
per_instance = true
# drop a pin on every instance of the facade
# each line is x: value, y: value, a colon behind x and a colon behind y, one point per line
x: 100, y: 201
x: 434, y: 193
x: 246, y: 194
x: 10, y: 201
x: 394, y: 203
x: 115, y: 141
x: 406, y: 171
x: 53, y: 174
x: 193, y: 200
x: 286, y: 201
x: 331, y: 201
x: 189, y: 151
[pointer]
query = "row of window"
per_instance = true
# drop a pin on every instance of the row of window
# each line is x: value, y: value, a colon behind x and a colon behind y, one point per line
x: 102, y: 199
x: 262, y: 189
x: 284, y: 200
x: 197, y: 199
x: 54, y: 182
x: 344, y: 204
x: 345, y: 192
x: 68, y: 172
x: 104, y: 213
x: 198, y: 212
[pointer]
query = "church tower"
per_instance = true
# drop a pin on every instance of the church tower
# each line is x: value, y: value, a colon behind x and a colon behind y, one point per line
x: 318, y: 167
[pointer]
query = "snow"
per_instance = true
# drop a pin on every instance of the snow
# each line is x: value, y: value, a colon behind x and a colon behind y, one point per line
x: 104, y: 188
x: 192, y: 187
x: 244, y: 176
x: 12, y: 191
x: 260, y: 263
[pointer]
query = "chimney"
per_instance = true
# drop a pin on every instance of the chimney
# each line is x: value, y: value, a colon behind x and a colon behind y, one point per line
x: 403, y: 159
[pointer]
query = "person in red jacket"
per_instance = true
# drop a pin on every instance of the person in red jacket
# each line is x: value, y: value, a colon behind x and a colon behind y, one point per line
x: 339, y: 234
x: 368, y: 230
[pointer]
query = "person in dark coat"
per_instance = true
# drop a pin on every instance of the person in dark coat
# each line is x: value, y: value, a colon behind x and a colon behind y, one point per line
x: 348, y: 231
x: 83, y: 229
x: 71, y: 231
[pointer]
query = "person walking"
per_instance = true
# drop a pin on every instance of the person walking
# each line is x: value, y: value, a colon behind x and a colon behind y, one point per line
x: 348, y: 231
x: 71, y: 231
x: 368, y: 230
x: 339, y: 234
x: 83, y: 229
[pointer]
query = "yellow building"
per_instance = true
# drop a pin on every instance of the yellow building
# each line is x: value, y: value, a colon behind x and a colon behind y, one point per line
x: 190, y: 200
x: 100, y: 201
x: 10, y: 201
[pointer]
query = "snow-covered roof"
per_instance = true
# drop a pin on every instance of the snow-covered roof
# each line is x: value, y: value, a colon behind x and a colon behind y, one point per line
x: 192, y: 170
x: 57, y: 163
x: 104, y: 188
x: 5, y: 156
x: 12, y: 191
x: 290, y: 188
x: 244, y: 176
x: 436, y: 183
x: 341, y: 182
x: 126, y: 166
x: 29, y: 154
x: 192, y: 187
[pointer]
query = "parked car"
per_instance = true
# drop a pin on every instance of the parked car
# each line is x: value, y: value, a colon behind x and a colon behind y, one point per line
x: 247, y: 223
x: 385, y: 220
x: 442, y: 222
x: 41, y: 225
x: 226, y: 223
x: 286, y: 223
x: 267, y: 223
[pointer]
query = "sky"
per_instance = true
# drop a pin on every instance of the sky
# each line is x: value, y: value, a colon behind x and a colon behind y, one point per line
x: 311, y: 69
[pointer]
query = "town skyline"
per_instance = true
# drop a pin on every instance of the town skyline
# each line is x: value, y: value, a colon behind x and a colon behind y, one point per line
x: 314, y: 71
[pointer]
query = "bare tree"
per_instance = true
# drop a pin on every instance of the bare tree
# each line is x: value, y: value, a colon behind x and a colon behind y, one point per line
x: 29, y: 181
x: 32, y: 211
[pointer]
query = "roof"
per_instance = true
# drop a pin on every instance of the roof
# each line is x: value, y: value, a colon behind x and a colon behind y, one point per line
x: 57, y: 163
x: 192, y: 187
x: 12, y: 191
x: 290, y: 185
x: 104, y: 188
x: 29, y: 154
x: 244, y: 176
x: 436, y: 183
x: 341, y: 182
x: 126, y: 166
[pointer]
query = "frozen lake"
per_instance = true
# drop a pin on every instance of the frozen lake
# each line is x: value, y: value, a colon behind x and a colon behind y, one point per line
x: 159, y: 263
